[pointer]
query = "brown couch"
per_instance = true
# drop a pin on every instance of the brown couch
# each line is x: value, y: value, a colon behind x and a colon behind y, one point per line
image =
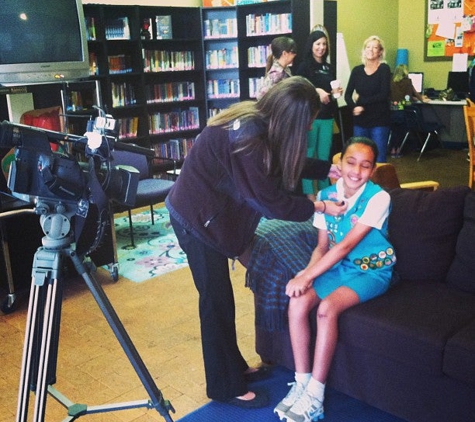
x: 410, y: 352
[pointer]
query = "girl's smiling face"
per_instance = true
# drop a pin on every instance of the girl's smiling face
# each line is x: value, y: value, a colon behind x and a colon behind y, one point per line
x: 357, y: 166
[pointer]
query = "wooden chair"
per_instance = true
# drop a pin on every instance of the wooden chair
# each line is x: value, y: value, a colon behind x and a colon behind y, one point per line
x: 385, y: 175
x: 469, y: 115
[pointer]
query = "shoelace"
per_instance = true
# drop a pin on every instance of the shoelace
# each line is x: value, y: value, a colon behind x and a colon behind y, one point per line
x: 304, y: 403
x: 294, y: 392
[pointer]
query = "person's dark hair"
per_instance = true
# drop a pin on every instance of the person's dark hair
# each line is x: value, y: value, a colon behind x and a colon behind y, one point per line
x: 287, y: 110
x: 312, y: 37
x: 278, y: 46
x: 361, y: 140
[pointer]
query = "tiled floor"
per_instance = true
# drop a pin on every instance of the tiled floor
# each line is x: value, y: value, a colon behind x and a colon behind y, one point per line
x: 161, y: 317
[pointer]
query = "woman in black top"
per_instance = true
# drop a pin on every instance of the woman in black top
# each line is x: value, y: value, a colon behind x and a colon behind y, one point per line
x: 317, y: 70
x: 368, y: 94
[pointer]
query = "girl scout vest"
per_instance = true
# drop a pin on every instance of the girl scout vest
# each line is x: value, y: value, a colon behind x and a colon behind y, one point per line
x: 373, y: 252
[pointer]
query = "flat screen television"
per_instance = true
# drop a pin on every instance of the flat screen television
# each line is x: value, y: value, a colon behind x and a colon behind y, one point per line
x: 42, y: 41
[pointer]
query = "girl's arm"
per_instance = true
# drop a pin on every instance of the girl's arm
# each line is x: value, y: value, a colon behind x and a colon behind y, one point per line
x: 324, y: 258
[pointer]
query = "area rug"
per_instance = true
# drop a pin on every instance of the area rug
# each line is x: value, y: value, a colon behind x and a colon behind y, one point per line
x: 156, y: 249
x: 338, y: 406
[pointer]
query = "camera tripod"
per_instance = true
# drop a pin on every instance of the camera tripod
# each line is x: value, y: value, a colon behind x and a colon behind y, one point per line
x: 40, y: 350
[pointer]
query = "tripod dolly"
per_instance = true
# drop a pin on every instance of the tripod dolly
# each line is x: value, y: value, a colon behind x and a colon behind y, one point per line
x: 38, y: 369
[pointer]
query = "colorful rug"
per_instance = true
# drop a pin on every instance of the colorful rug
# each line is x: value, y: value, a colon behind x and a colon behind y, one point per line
x: 156, y: 249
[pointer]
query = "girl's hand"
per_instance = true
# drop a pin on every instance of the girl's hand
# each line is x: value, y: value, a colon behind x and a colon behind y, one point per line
x: 358, y: 110
x: 297, y: 286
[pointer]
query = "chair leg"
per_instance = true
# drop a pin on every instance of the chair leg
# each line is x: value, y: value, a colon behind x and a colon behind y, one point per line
x: 404, y: 141
x: 424, y: 146
x: 131, y: 229
x: 152, y: 217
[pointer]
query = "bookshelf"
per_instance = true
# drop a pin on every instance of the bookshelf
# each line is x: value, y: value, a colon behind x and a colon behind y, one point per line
x: 148, y: 61
x: 258, y: 25
x: 164, y: 70
x: 247, y: 29
x: 220, y: 39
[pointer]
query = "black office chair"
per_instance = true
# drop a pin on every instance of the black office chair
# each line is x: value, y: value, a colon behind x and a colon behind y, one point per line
x: 416, y: 124
x: 150, y: 190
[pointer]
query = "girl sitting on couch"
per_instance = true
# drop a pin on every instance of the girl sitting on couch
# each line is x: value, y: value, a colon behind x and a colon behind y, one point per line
x: 352, y: 263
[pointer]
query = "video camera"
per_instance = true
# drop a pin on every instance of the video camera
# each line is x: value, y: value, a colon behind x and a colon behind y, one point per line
x: 50, y: 178
x: 39, y: 172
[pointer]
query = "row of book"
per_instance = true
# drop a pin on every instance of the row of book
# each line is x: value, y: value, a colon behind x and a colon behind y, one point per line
x: 257, y: 56
x: 223, y: 88
x: 119, y: 63
x: 123, y: 94
x: 169, y: 92
x: 174, y: 121
x: 117, y: 29
x: 128, y: 127
x: 166, y: 61
x: 220, y: 28
x: 255, y: 85
x: 268, y: 23
x: 224, y: 58
x: 177, y: 149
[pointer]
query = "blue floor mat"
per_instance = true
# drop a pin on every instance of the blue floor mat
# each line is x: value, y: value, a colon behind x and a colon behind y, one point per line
x: 338, y: 407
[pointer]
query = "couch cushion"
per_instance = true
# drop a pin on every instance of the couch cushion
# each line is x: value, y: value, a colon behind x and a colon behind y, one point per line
x: 462, y: 270
x: 410, y: 324
x: 459, y: 362
x: 423, y: 228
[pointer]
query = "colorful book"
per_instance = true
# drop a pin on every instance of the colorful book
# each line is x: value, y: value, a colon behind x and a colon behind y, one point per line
x: 164, y: 27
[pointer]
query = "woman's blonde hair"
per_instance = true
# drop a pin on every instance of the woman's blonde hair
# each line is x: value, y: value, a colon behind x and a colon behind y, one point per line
x: 401, y: 72
x: 381, y: 48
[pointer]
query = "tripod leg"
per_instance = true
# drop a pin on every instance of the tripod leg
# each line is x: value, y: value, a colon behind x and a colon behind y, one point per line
x: 41, y: 333
x: 24, y: 391
x: 158, y: 402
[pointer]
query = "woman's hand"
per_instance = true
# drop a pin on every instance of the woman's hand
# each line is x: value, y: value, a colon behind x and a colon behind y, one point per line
x: 358, y: 110
x: 335, y: 172
x: 332, y: 208
x: 325, y: 97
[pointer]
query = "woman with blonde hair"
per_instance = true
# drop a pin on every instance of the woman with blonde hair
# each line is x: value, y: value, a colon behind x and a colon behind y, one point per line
x: 368, y: 95
x: 401, y: 86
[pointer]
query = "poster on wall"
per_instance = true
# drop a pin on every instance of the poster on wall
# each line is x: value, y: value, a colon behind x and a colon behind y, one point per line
x: 450, y: 29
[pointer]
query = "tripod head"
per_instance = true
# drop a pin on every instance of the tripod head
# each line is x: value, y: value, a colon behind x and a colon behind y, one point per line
x: 57, y: 182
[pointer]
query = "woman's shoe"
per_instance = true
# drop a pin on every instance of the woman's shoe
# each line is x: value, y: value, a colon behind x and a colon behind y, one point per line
x: 261, y: 399
x: 259, y: 374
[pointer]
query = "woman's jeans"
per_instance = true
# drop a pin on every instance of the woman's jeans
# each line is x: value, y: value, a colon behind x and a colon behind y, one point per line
x: 379, y: 134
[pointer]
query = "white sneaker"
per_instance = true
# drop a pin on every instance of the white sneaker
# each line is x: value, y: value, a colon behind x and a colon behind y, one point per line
x: 306, y: 409
x: 288, y: 401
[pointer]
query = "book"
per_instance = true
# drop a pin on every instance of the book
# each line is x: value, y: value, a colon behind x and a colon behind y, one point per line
x: 163, y: 26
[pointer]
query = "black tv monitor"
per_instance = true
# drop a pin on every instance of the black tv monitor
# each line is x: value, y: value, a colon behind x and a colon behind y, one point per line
x: 458, y: 81
x: 417, y: 79
x: 42, y: 41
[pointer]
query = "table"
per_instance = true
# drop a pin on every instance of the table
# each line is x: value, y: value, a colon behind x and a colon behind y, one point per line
x: 450, y: 114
